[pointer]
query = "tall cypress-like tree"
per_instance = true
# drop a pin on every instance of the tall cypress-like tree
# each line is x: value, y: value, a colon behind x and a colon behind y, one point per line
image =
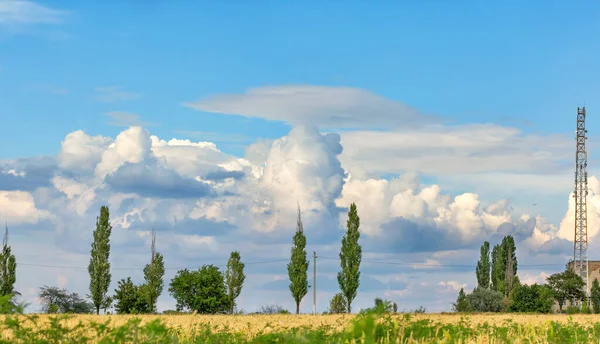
x: 153, y: 275
x: 99, y: 267
x: 8, y: 268
x: 504, y: 266
x: 234, y: 277
x: 497, y: 268
x: 298, y: 266
x: 483, y: 267
x: 350, y: 257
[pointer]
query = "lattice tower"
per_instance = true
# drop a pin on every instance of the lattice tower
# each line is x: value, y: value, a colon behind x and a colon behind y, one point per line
x: 580, y: 254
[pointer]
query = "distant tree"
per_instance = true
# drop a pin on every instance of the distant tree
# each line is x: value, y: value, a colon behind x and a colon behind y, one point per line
x: 462, y: 304
x: 498, y: 270
x: 382, y: 306
x: 99, y: 268
x: 273, y: 309
x: 337, y: 304
x: 595, y: 296
x: 350, y: 258
x: 203, y: 290
x: 130, y: 298
x: 298, y: 266
x: 566, y: 285
x: 153, y: 276
x: 531, y: 299
x: 395, y: 307
x: 59, y: 300
x: 504, y: 266
x: 234, y: 277
x: 8, y: 268
x: 486, y: 300
x: 483, y: 266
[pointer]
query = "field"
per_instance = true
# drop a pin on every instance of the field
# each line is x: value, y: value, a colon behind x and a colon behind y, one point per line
x: 413, y: 328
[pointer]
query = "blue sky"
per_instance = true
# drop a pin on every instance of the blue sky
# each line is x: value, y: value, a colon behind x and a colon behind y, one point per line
x: 473, y: 98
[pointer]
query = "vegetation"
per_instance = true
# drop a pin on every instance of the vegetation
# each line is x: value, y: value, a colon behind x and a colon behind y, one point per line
x: 153, y: 276
x: 8, y: 268
x: 203, y: 290
x: 483, y: 267
x: 130, y: 298
x: 234, y: 277
x: 350, y: 257
x: 461, y: 304
x: 532, y: 299
x: 57, y: 300
x: 298, y: 266
x: 337, y: 304
x: 99, y: 268
x: 566, y: 285
x: 595, y: 296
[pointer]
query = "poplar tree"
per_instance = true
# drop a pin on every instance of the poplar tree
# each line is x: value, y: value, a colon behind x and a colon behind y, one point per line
x: 350, y: 257
x: 99, y: 268
x: 298, y: 266
x: 153, y: 275
x: 234, y: 277
x: 483, y: 267
x: 8, y: 268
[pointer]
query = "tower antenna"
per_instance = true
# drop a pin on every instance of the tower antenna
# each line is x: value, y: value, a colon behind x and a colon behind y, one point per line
x: 580, y: 249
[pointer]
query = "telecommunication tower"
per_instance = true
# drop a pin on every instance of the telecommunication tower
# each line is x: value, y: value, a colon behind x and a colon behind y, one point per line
x: 580, y: 253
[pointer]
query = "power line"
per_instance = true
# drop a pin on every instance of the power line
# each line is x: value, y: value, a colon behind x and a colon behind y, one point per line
x: 438, y: 265
x: 131, y: 269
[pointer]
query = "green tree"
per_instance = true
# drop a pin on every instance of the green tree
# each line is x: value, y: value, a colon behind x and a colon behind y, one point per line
x: 337, y: 304
x: 566, y: 285
x: 504, y: 266
x: 130, y: 298
x: 153, y: 276
x: 8, y: 268
x: 461, y: 305
x: 298, y: 265
x: 497, y: 268
x: 203, y: 290
x: 57, y: 300
x: 486, y: 300
x: 595, y: 296
x: 532, y: 299
x: 483, y: 266
x: 234, y: 277
x: 99, y: 267
x: 350, y: 257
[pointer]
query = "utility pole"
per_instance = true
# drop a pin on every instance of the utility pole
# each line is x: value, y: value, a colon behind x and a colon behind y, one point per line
x: 580, y: 254
x: 315, y: 282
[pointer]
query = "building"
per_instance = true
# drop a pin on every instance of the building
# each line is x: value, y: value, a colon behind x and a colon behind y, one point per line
x: 593, y: 273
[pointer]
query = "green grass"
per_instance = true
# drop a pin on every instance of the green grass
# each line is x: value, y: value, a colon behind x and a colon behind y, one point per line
x: 366, y: 328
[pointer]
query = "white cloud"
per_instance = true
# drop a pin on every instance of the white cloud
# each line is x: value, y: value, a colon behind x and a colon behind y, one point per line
x: 111, y: 94
x: 323, y: 106
x: 18, y: 207
x: 81, y: 152
x: 13, y: 12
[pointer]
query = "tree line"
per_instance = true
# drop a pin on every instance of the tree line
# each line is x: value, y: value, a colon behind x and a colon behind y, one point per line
x: 500, y: 290
x: 205, y: 290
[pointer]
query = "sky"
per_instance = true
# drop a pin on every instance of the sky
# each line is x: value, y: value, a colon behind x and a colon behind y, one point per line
x: 447, y: 123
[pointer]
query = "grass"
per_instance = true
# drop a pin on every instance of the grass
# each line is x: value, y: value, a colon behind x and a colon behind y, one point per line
x: 370, y: 328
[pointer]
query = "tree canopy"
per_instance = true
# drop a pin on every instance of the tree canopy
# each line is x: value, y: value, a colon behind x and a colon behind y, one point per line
x: 203, y: 290
x: 350, y: 258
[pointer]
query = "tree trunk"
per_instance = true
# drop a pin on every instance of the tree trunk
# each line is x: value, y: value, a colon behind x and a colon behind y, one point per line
x: 97, y: 309
x: 349, y: 309
x: 297, y: 307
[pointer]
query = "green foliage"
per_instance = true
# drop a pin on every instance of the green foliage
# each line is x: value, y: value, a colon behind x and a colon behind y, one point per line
x: 573, y: 310
x: 585, y: 308
x: 531, y: 299
x: 57, y: 300
x: 595, y: 296
x: 130, y: 298
x: 337, y: 304
x: 234, y: 277
x: 8, y: 268
x: 99, y: 268
x: 9, y: 306
x: 203, y: 290
x: 462, y: 304
x: 272, y: 309
x: 483, y: 266
x: 566, y: 285
x: 502, y: 279
x: 153, y: 276
x: 381, y: 307
x: 350, y: 257
x: 298, y: 266
x: 485, y: 300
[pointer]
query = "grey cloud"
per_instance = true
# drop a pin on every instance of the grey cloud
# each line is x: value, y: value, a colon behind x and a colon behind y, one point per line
x: 38, y: 172
x: 224, y: 174
x: 557, y: 246
x: 200, y: 226
x: 156, y: 181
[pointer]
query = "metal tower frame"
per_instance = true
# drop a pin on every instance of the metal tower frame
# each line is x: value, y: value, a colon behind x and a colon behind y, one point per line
x: 580, y: 249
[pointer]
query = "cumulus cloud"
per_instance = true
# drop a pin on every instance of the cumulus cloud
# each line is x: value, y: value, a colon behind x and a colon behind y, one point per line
x: 205, y: 203
x: 324, y: 106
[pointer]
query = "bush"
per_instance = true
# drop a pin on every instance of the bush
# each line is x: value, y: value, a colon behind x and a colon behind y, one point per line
x: 486, y: 300
x: 573, y: 310
x: 337, y: 304
x: 534, y: 299
x: 273, y: 309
